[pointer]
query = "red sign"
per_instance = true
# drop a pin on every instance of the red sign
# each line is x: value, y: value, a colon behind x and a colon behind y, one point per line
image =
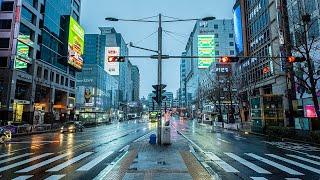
x: 309, y: 111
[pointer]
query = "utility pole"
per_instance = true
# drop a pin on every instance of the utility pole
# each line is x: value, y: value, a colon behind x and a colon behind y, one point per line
x: 159, y: 77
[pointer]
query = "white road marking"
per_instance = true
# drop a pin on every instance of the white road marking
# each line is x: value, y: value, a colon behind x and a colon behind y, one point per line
x: 36, y: 166
x: 32, y: 142
x: 124, y: 148
x: 258, y: 178
x: 304, y: 159
x: 5, y: 155
x: 55, y: 177
x: 295, y: 163
x: 274, y: 164
x: 225, y: 166
x: 248, y: 164
x: 95, y: 161
x: 315, y: 157
x: 16, y: 157
x: 23, y: 177
x: 223, y: 140
x: 292, y: 179
x: 69, y: 162
x: 24, y: 162
x: 103, y: 174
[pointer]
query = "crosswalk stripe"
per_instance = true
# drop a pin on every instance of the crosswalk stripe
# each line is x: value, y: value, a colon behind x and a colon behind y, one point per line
x: 94, y: 162
x: 258, y: 178
x: 292, y: 179
x: 248, y: 164
x: 274, y: 164
x: 295, y: 163
x: 23, y: 177
x: 36, y: 166
x: 55, y: 177
x: 24, y: 162
x: 69, y: 162
x: 315, y: 157
x: 225, y: 166
x: 5, y: 155
x: 304, y: 159
x: 16, y: 157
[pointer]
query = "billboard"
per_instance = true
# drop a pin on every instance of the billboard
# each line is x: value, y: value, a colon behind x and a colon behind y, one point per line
x: 85, y: 96
x: 206, y: 47
x: 23, y: 50
x: 238, y: 29
x: 111, y: 67
x: 75, y: 44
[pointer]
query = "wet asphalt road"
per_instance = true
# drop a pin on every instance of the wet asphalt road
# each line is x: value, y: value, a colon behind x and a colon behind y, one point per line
x: 87, y: 154
x: 232, y: 155
x: 80, y: 155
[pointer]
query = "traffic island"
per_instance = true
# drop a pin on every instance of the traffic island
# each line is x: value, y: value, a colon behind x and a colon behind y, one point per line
x: 147, y: 161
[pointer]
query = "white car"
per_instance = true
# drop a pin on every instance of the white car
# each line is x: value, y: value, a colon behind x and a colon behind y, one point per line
x: 5, y: 135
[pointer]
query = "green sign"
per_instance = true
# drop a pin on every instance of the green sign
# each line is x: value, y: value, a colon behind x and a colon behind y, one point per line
x: 23, y: 50
x: 75, y: 44
x: 206, y: 48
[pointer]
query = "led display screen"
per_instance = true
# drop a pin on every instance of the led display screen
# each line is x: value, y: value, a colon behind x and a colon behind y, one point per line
x: 206, y: 48
x: 75, y: 44
x: 238, y: 29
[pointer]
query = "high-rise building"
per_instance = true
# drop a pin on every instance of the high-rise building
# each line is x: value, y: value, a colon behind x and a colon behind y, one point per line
x: 261, y: 77
x: 122, y: 71
x: 182, y: 90
x: 97, y: 90
x: 135, y: 75
x: 36, y: 72
x: 208, y: 38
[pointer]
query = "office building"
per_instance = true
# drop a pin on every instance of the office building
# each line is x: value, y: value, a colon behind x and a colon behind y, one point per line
x: 37, y: 75
x: 135, y: 75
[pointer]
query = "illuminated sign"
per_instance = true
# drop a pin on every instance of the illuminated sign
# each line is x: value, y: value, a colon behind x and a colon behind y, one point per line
x: 206, y: 48
x: 111, y: 67
x: 75, y: 44
x: 310, y: 111
x: 238, y: 29
x: 23, y: 51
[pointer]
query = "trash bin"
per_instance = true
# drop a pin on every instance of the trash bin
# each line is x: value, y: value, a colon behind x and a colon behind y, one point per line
x: 166, y: 135
x: 153, y: 139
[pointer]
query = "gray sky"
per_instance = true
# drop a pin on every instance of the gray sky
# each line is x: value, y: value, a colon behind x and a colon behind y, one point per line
x: 94, y: 11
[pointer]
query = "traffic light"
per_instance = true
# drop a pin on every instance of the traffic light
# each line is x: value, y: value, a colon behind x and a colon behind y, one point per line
x: 293, y: 59
x: 116, y: 59
x: 228, y: 59
x: 158, y: 91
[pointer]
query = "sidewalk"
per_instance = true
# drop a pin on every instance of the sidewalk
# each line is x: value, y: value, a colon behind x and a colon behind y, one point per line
x: 146, y: 161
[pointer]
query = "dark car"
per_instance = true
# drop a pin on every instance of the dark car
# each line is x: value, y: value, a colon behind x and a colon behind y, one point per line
x: 5, y: 135
x: 72, y: 126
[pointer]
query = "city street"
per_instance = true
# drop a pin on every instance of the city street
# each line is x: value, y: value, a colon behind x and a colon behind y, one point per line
x: 236, y: 156
x: 80, y: 155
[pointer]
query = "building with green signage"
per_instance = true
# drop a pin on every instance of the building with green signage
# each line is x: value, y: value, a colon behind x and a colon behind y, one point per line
x: 35, y: 69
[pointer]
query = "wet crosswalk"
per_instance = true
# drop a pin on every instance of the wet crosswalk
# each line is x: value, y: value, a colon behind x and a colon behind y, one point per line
x: 262, y: 166
x: 49, y: 165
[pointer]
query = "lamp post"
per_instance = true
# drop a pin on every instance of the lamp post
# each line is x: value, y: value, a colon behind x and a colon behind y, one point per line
x: 159, y: 52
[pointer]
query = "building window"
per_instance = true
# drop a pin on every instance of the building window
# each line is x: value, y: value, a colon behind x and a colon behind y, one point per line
x: 4, y: 42
x: 39, y: 71
x: 3, y: 62
x: 232, y: 52
x: 45, y: 74
x: 7, y: 6
x: 28, y: 15
x: 72, y: 84
x: 76, y: 5
x: 51, y: 76
x: 62, y: 80
x: 216, y: 26
x: 216, y: 35
x: 217, y: 44
x: 5, y: 23
x: 67, y: 82
x: 231, y: 43
x: 217, y: 53
x: 57, y: 78
x: 230, y: 35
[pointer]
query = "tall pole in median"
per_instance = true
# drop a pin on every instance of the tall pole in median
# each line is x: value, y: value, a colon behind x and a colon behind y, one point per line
x: 159, y: 77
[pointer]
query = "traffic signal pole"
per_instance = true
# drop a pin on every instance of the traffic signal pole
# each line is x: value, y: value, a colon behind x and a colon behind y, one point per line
x: 159, y: 78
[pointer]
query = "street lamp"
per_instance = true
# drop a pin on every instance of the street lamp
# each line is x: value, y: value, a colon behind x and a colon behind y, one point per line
x: 159, y: 51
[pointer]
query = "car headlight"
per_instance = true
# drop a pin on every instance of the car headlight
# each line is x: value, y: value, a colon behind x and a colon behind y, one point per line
x: 71, y: 127
x: 61, y: 128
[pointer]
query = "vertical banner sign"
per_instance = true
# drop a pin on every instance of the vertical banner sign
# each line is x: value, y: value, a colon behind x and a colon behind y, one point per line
x: 206, y: 48
x: 111, y: 67
x: 75, y: 44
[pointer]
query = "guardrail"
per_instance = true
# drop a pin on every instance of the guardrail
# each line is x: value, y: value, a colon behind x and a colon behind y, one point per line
x: 32, y: 129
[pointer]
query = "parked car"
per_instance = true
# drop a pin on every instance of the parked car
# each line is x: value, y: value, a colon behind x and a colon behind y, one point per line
x: 72, y: 126
x: 5, y: 135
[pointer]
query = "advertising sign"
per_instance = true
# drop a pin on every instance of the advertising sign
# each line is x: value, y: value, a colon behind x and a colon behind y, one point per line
x: 206, y: 47
x: 75, y: 44
x: 23, y: 50
x: 111, y: 67
x: 85, y: 96
x: 238, y: 29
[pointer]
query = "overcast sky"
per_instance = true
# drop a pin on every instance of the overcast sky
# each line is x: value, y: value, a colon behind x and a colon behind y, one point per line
x: 94, y: 11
